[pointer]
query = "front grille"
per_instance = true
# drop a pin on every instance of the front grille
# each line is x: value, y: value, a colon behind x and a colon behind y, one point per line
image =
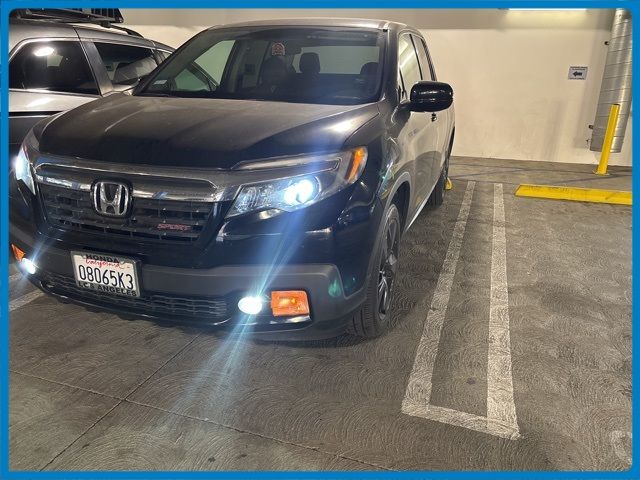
x: 207, y: 310
x: 150, y: 219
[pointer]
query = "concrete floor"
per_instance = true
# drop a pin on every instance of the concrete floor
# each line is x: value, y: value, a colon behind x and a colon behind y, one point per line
x: 94, y: 391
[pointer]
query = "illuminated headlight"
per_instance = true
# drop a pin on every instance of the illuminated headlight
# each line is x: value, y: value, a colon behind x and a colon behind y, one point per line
x: 22, y: 165
x: 286, y: 195
x: 300, y: 192
x: 250, y: 305
x: 292, y: 193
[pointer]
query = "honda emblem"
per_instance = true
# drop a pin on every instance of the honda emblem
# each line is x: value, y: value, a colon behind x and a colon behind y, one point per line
x: 111, y: 198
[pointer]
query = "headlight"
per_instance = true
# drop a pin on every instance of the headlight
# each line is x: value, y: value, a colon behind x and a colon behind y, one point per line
x: 22, y: 165
x: 332, y: 174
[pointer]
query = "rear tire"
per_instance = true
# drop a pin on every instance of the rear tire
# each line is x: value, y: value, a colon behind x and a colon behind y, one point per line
x: 374, y: 316
x: 437, y: 196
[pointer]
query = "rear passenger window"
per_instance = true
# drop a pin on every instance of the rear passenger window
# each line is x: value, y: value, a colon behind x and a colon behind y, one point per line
x: 126, y: 64
x: 55, y: 66
x: 408, y: 65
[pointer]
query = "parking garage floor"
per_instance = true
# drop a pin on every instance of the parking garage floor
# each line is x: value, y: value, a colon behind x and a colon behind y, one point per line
x: 511, y: 350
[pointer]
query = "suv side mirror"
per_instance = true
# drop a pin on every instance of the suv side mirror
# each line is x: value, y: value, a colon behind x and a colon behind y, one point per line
x: 429, y: 96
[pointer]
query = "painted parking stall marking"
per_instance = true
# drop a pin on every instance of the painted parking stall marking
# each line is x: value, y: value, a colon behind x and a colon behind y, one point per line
x: 13, y: 278
x: 24, y: 299
x: 500, y: 403
x: 618, y: 438
x: 418, y: 393
x: 501, y: 420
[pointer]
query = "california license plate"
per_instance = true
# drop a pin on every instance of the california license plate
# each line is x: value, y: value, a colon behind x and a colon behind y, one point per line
x: 106, y: 273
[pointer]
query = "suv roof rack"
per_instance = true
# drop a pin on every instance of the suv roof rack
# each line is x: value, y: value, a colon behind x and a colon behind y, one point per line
x: 104, y: 17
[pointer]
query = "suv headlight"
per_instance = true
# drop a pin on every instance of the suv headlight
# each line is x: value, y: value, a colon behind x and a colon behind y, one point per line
x: 325, y: 175
x: 22, y: 165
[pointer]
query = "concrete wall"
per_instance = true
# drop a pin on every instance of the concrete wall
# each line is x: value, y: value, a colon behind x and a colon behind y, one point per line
x: 508, y: 69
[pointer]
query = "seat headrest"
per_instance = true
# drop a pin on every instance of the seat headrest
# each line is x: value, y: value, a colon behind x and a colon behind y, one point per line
x: 369, y: 68
x: 310, y: 63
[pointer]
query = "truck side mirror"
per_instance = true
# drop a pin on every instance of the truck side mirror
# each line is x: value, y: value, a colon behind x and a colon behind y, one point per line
x: 427, y: 96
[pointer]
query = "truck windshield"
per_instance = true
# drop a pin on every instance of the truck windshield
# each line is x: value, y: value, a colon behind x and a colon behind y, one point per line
x: 302, y: 64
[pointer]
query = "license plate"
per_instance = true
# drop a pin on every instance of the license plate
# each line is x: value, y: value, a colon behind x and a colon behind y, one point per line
x: 106, y: 273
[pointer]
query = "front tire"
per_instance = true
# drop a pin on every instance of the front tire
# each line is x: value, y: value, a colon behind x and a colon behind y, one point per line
x: 374, y: 316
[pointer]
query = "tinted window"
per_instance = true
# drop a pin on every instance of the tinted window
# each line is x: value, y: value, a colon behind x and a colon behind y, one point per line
x: 425, y: 64
x: 310, y: 65
x: 55, y: 66
x: 125, y: 64
x: 408, y: 65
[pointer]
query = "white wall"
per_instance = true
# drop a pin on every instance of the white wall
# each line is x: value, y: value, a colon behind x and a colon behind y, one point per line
x: 508, y: 69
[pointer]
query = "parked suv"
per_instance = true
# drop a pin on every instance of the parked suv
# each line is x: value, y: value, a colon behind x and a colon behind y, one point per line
x: 259, y: 180
x: 60, y: 59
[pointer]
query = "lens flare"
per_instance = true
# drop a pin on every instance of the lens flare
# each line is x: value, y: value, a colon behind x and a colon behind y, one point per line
x: 28, y: 266
x: 250, y: 305
x: 300, y: 192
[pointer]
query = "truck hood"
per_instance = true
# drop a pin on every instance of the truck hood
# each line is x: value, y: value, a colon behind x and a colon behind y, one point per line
x: 202, y: 133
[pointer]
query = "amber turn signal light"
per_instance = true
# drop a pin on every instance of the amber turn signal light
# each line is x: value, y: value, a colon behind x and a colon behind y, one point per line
x: 358, y: 159
x: 19, y: 254
x: 289, y: 303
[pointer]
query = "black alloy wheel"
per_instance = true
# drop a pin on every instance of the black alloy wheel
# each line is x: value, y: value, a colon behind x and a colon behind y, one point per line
x: 388, y: 266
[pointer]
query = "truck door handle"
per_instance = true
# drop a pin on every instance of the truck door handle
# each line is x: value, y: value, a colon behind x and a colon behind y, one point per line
x: 434, y: 117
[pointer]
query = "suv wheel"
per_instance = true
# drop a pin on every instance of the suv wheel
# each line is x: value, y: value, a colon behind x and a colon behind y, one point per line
x: 373, y: 318
x: 437, y: 196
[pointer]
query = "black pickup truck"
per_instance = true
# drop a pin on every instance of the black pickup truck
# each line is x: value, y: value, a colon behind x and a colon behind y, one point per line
x: 259, y: 180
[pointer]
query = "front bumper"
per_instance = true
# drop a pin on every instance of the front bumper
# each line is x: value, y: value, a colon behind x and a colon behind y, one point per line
x: 208, y: 296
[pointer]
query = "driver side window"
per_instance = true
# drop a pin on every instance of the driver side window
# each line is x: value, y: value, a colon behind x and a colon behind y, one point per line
x: 408, y: 68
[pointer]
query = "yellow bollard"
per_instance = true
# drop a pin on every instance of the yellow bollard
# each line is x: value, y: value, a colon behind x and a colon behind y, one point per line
x: 608, y: 140
x: 448, y: 185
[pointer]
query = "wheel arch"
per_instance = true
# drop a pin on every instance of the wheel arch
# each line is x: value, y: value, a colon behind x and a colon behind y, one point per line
x: 401, y: 199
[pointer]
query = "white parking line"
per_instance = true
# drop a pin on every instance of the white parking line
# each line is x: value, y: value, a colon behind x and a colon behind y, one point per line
x: 617, y: 440
x: 501, y: 416
x: 14, y: 277
x: 24, y: 299
x: 500, y: 404
x: 418, y: 393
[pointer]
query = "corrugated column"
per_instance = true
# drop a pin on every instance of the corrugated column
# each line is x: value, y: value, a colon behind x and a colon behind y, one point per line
x: 616, y: 83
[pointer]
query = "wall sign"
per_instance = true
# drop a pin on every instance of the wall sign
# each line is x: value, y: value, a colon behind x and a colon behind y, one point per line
x: 578, y: 73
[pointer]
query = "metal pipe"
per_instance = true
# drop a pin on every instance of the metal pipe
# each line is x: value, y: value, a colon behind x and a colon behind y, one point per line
x: 616, y: 84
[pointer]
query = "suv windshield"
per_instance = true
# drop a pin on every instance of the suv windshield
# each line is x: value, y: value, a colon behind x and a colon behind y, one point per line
x: 306, y: 65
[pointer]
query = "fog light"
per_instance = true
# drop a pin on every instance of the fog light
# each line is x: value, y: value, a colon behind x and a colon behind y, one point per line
x: 250, y: 305
x: 289, y: 303
x: 28, y: 266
